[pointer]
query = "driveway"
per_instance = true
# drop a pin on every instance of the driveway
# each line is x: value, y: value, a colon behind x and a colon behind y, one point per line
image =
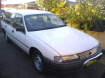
x: 14, y: 63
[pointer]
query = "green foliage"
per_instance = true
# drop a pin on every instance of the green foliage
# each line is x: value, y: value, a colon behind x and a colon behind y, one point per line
x: 56, y: 6
x: 91, y: 15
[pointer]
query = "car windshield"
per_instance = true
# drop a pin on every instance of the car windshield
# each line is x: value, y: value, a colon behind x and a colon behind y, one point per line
x: 42, y: 22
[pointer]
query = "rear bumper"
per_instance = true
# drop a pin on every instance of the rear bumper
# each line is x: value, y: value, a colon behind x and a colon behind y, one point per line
x: 71, y: 65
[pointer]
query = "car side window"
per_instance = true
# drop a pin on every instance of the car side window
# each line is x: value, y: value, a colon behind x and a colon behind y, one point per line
x: 7, y: 14
x: 18, y: 20
x: 7, y: 18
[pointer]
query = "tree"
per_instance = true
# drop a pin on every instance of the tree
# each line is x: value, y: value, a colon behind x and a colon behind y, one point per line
x: 56, y: 6
x: 92, y: 14
x: 98, y: 4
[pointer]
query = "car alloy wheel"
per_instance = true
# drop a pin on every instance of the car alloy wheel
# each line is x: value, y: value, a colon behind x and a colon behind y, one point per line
x: 38, y: 62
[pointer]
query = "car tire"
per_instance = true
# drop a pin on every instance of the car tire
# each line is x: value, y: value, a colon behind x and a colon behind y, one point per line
x: 38, y: 62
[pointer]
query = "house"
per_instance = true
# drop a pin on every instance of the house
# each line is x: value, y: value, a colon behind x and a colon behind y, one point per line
x: 70, y: 3
x: 20, y: 4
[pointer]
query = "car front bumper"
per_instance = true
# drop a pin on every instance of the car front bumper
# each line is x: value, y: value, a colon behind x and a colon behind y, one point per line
x: 71, y: 65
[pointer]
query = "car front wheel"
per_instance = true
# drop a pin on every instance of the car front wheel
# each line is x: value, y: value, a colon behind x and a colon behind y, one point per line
x: 38, y: 62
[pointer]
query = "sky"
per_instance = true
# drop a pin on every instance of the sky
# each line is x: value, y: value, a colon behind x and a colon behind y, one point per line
x: 20, y: 1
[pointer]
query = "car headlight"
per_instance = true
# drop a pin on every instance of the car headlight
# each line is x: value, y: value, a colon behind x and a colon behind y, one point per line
x: 65, y: 58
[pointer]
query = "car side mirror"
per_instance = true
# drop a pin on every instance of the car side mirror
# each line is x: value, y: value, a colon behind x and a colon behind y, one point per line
x: 20, y: 28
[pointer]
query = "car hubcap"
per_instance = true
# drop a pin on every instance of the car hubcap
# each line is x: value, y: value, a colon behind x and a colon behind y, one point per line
x: 38, y: 63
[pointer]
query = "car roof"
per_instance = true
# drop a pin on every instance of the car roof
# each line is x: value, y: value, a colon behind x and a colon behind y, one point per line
x: 28, y: 12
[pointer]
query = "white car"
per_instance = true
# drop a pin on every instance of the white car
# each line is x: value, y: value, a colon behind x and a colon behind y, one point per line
x: 49, y: 41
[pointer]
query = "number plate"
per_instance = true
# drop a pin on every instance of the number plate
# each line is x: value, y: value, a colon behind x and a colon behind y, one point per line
x: 90, y: 62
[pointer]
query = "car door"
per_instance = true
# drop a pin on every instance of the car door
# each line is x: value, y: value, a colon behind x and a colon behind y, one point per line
x: 19, y: 36
x: 7, y: 24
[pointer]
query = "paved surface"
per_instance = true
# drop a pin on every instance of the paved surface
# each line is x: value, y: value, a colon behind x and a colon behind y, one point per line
x: 14, y: 63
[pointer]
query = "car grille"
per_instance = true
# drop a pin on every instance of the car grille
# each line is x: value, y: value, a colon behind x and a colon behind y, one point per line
x: 86, y: 54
